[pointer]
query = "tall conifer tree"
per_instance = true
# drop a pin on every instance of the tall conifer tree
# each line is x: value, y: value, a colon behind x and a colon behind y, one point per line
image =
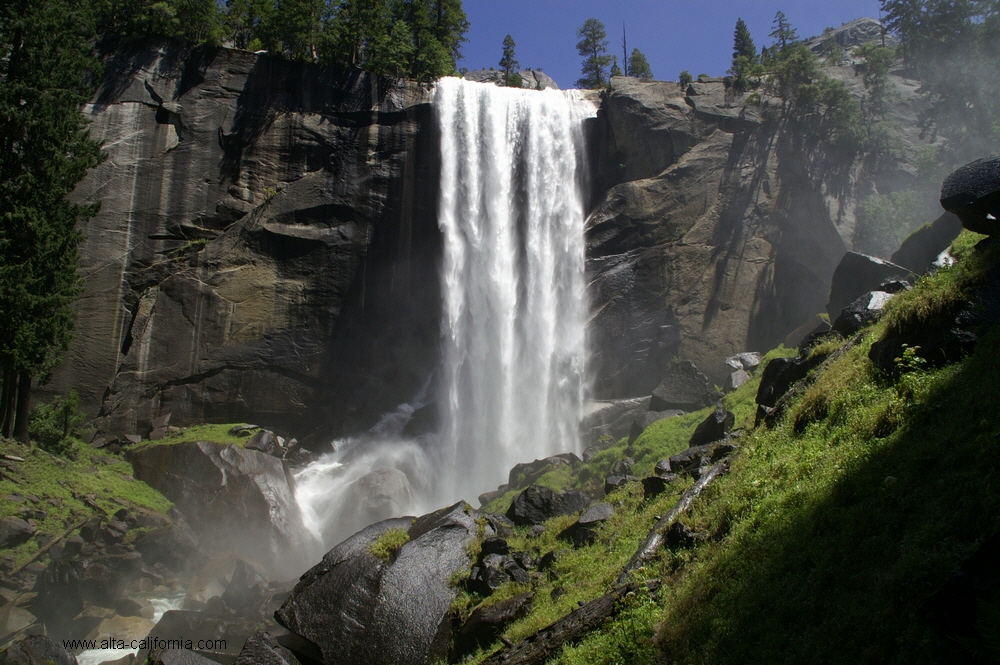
x: 47, y: 71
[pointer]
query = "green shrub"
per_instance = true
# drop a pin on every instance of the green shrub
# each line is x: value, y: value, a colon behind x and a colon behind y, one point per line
x: 52, y: 425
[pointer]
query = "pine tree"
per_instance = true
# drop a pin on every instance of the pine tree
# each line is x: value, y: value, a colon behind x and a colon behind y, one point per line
x: 247, y: 22
x: 616, y: 70
x: 593, y: 46
x: 508, y: 64
x: 47, y: 72
x: 743, y: 46
x: 783, y: 33
x: 638, y: 66
x: 745, y: 71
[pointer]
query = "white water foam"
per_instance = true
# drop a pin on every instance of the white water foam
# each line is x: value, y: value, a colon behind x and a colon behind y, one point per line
x: 160, y: 605
x: 514, y: 312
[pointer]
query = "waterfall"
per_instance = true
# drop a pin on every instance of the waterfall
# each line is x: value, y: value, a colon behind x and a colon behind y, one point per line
x: 512, y: 212
x: 512, y: 376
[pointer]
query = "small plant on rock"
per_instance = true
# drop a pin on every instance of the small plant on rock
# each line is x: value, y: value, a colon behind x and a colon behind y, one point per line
x: 388, y: 544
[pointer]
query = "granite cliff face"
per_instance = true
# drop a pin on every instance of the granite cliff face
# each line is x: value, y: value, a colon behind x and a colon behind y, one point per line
x: 717, y: 225
x: 268, y: 248
x: 267, y: 244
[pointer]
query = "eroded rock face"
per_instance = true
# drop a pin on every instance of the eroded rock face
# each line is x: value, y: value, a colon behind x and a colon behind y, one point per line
x: 359, y: 608
x: 232, y: 497
x: 266, y: 247
x: 714, y: 228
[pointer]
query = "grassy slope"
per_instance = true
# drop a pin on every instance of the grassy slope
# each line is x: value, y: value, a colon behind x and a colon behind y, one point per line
x: 62, y: 484
x: 829, y: 531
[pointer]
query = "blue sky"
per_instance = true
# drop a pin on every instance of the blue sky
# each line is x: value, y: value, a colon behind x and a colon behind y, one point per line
x: 696, y: 35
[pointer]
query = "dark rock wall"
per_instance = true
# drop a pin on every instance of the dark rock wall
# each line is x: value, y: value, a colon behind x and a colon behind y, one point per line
x: 266, y: 248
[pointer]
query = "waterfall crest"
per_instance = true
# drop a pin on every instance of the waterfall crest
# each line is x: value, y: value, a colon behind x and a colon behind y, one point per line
x: 512, y: 211
x: 512, y: 375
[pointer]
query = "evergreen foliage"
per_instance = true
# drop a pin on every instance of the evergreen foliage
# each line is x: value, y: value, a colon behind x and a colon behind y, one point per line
x: 746, y: 70
x: 638, y: 66
x: 47, y: 71
x: 616, y: 70
x: 784, y: 34
x: 952, y: 49
x: 508, y: 63
x: 593, y: 47
x: 685, y: 78
x: 743, y: 46
x: 54, y: 425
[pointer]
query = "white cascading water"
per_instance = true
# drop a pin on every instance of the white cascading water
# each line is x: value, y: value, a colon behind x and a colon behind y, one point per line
x: 511, y: 210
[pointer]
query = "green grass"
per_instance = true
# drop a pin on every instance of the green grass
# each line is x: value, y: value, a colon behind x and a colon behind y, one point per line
x: 63, y: 482
x: 829, y: 531
x: 218, y: 433
x: 586, y: 573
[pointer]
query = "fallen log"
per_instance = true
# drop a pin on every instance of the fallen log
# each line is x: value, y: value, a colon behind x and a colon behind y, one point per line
x: 654, y: 540
x: 548, y: 642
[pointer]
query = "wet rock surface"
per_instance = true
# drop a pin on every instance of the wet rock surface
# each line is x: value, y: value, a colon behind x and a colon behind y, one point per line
x: 683, y: 388
x: 714, y: 428
x: 353, y: 599
x: 262, y: 649
x: 864, y: 311
x: 232, y: 497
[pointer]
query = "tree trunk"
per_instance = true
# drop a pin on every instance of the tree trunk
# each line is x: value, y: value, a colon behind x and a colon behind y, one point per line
x: 23, y: 402
x: 7, y: 400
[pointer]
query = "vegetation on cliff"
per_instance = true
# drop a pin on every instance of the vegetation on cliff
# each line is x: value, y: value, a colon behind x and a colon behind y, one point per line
x: 47, y: 71
x: 832, y: 529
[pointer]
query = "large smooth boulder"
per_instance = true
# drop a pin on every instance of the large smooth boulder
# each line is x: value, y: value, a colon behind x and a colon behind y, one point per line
x: 359, y: 608
x: 537, y: 504
x: 68, y: 585
x: 584, y: 530
x: 213, y: 636
x: 973, y: 193
x: 780, y: 374
x: 683, y: 388
x: 856, y: 275
x: 234, y: 499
